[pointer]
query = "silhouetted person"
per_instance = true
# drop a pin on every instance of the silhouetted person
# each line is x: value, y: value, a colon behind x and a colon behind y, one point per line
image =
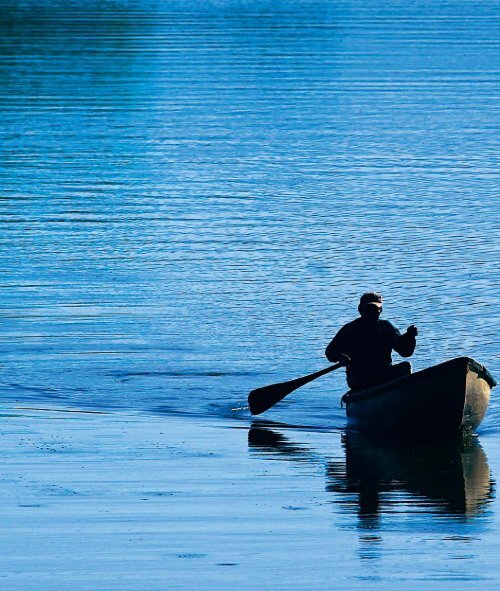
x: 365, y: 346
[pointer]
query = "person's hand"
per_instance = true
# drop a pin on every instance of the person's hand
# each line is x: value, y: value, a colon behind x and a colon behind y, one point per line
x: 412, y: 330
x: 344, y: 359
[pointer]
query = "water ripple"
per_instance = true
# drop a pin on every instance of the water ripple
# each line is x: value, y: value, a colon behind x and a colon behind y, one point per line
x: 209, y: 186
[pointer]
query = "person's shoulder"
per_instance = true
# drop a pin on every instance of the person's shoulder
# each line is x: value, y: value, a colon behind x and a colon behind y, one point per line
x: 352, y: 325
x: 389, y: 326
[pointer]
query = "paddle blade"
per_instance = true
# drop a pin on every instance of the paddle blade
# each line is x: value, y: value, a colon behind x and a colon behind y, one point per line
x: 261, y: 399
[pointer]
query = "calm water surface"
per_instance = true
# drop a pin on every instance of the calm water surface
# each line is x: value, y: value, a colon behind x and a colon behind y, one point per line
x: 194, y: 194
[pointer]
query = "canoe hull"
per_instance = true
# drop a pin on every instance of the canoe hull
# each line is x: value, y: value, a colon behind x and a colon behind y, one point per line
x: 443, y: 399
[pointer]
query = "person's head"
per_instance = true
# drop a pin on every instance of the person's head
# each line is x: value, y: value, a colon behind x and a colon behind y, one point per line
x: 370, y: 306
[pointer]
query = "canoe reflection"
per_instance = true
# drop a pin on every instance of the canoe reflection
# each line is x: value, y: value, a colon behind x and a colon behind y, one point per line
x: 451, y: 477
x: 443, y: 478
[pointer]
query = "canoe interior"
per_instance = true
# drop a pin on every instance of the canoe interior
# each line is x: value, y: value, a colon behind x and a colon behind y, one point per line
x: 444, y: 398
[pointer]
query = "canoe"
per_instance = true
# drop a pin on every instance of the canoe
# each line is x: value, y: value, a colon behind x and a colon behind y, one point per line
x: 446, y: 398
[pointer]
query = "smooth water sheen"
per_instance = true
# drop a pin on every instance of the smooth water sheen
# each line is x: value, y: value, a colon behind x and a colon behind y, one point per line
x: 195, y: 193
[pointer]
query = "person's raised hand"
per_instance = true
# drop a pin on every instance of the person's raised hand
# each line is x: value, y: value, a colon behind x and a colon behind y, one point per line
x: 412, y: 330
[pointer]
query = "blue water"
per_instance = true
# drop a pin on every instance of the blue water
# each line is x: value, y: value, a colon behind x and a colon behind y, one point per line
x: 195, y: 194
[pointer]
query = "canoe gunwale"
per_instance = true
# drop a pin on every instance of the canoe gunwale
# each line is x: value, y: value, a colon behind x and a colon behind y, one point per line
x: 482, y: 372
x: 362, y: 394
x: 469, y: 364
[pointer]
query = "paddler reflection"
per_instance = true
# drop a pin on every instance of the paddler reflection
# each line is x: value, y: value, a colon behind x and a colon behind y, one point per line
x: 442, y: 478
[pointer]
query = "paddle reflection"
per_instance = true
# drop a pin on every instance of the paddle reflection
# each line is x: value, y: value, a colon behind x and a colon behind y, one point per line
x: 374, y: 476
x: 266, y: 440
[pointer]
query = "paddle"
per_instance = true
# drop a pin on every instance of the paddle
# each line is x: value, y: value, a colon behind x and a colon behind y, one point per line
x: 261, y: 399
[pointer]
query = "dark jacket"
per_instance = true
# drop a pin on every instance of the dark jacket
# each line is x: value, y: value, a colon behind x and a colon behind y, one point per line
x: 369, y: 346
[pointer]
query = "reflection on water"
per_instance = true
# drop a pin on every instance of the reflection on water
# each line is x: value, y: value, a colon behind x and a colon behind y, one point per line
x: 266, y: 440
x: 450, y: 478
x: 391, y: 494
x: 376, y: 479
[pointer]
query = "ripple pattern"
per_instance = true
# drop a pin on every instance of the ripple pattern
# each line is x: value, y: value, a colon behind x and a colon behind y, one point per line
x: 194, y: 194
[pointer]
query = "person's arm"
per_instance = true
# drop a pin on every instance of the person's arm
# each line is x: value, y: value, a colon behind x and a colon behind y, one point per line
x: 335, y: 350
x: 405, y: 344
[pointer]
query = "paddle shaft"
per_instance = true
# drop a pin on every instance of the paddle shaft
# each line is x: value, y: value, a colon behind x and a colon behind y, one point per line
x: 261, y: 399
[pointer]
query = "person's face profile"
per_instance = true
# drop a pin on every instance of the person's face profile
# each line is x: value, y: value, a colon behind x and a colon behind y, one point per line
x: 370, y: 311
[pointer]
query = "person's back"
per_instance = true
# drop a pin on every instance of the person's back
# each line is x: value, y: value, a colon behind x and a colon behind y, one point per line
x: 365, y: 346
